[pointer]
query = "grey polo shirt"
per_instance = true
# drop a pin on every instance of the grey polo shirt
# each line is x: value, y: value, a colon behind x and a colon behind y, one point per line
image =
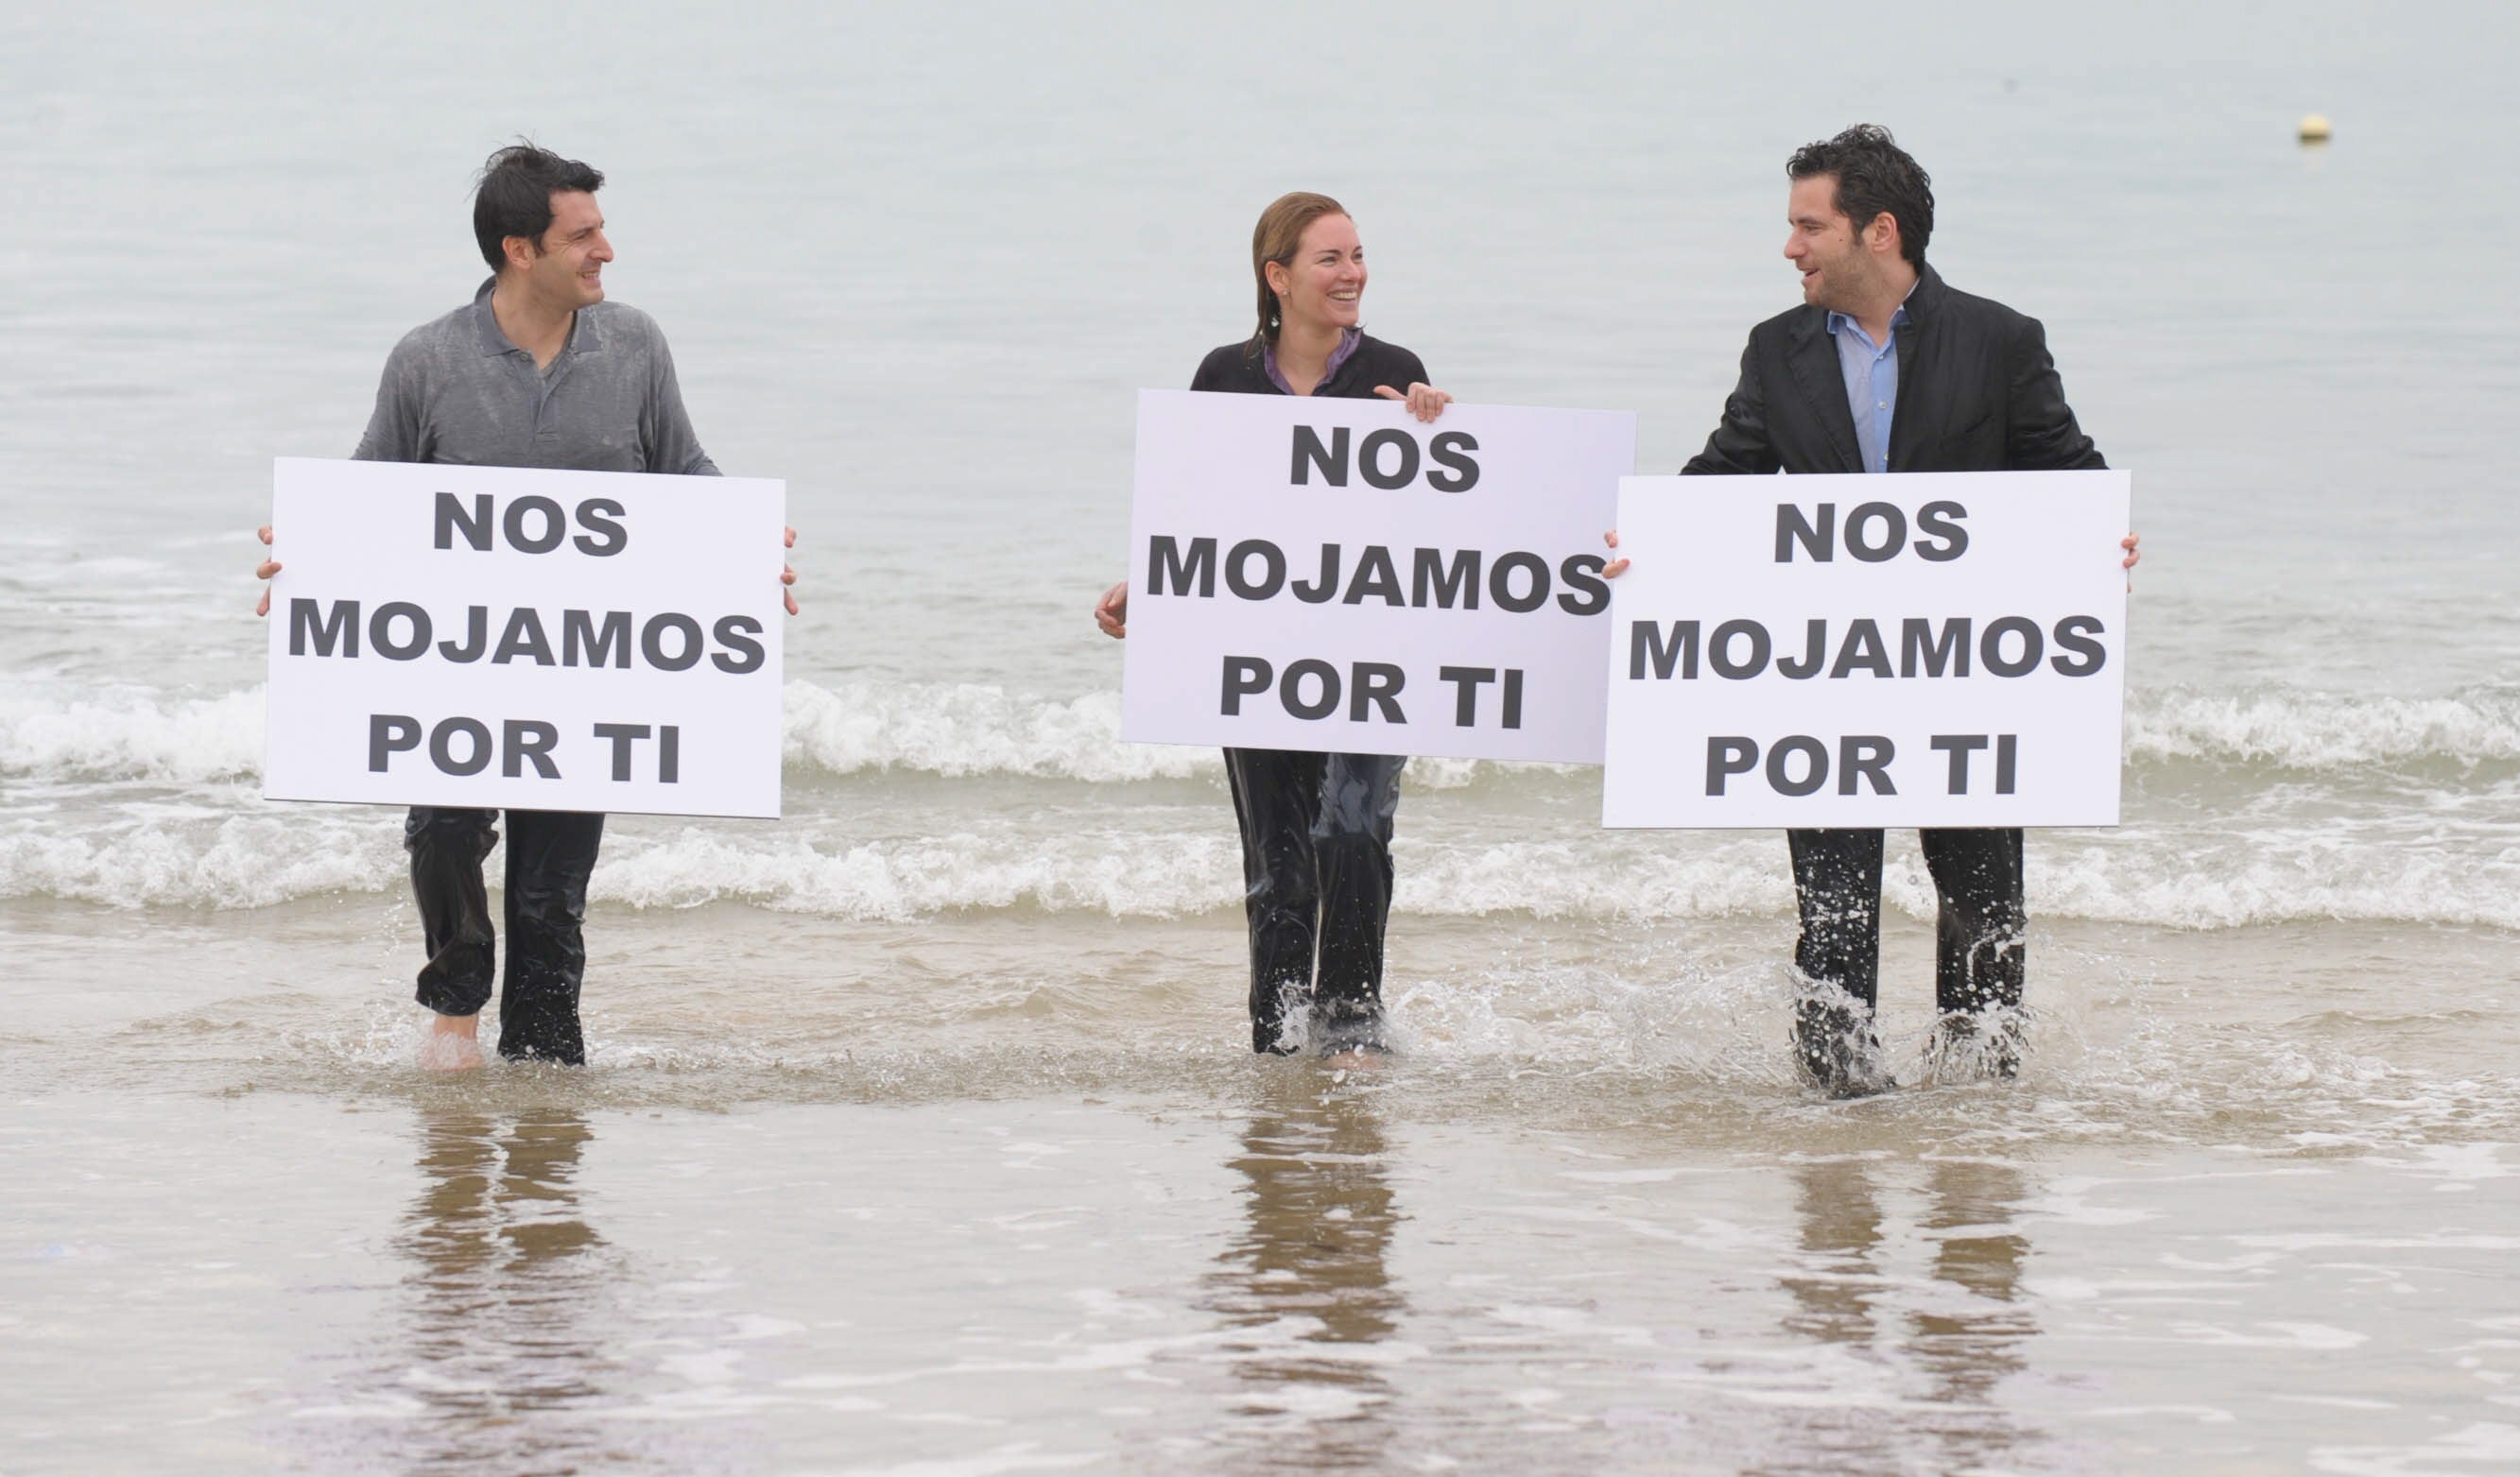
x: 456, y: 390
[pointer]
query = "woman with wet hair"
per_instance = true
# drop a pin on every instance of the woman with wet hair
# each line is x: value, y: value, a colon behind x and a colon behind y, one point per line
x: 1316, y: 827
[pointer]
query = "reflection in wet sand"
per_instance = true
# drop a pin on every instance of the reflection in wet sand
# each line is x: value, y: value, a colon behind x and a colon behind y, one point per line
x: 1946, y: 1359
x: 1309, y: 1279
x: 1971, y: 1348
x: 502, y: 1358
x: 1835, y: 1279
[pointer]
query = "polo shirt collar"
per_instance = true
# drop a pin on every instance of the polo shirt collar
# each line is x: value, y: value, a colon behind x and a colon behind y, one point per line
x: 485, y: 323
x: 582, y: 335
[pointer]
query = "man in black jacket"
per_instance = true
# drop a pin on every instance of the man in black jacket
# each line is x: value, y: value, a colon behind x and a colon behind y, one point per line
x: 1886, y: 369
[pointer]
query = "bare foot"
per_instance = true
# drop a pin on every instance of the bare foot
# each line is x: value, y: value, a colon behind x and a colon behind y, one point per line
x: 453, y: 1043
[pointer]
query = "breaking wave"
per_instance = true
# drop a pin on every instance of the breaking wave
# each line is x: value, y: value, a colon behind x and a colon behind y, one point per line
x: 88, y: 773
x: 964, y: 730
x: 132, y: 735
x: 1613, y: 879
x: 952, y: 730
x: 2323, y: 732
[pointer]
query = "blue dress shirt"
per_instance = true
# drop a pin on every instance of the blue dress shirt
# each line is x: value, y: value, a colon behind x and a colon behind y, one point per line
x: 1871, y: 374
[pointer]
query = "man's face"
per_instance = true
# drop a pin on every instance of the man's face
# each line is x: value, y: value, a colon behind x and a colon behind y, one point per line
x: 568, y: 275
x: 1824, y: 245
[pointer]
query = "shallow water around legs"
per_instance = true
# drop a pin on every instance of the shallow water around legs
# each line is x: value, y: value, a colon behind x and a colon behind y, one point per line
x: 969, y: 1208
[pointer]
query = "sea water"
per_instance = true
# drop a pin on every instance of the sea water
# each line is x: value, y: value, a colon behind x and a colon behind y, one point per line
x: 918, y: 1137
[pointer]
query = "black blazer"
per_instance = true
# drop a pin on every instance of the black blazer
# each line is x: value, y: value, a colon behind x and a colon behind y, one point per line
x: 1977, y: 392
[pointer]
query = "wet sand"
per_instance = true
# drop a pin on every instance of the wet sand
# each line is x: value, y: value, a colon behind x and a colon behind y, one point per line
x: 868, y: 1200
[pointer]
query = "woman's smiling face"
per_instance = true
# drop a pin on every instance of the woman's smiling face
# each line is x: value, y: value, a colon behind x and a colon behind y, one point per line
x: 1324, y: 280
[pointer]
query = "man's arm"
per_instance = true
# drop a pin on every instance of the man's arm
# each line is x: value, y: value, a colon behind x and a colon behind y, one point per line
x: 2043, y: 435
x: 673, y: 445
x: 1739, y: 444
x: 393, y: 435
x: 667, y: 428
x: 1738, y: 447
x: 394, y: 427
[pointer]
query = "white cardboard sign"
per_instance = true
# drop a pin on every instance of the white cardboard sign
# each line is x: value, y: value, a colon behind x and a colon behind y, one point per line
x: 1922, y: 648
x: 1334, y: 575
x: 496, y: 637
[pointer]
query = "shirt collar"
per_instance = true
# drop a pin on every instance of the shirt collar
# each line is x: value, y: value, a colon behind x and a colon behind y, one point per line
x: 494, y: 341
x: 1349, y: 338
x: 485, y: 323
x: 1897, y: 316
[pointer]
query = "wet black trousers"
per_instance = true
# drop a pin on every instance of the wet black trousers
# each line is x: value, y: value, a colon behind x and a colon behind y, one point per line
x: 1978, y: 947
x: 1317, y: 882
x: 550, y: 856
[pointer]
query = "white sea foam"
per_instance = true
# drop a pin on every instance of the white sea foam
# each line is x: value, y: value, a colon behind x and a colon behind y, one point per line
x: 953, y: 730
x: 2273, y: 884
x: 250, y: 862
x: 967, y: 729
x: 2299, y: 729
x: 1122, y: 877
x: 242, y: 861
x: 121, y: 842
x: 1134, y: 877
x: 131, y: 736
x: 963, y: 730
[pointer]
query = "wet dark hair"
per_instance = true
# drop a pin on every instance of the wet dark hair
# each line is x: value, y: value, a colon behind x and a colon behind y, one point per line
x: 514, y: 197
x: 1276, y: 238
x: 1873, y: 175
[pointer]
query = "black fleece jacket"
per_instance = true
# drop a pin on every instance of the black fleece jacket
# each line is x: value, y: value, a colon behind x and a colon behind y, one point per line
x: 1236, y: 369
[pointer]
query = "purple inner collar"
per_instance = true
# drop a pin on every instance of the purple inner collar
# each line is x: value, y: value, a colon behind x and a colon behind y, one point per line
x: 1348, y: 341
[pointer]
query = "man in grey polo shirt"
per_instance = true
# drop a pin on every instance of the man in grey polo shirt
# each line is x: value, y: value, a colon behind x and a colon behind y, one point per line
x: 537, y: 370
